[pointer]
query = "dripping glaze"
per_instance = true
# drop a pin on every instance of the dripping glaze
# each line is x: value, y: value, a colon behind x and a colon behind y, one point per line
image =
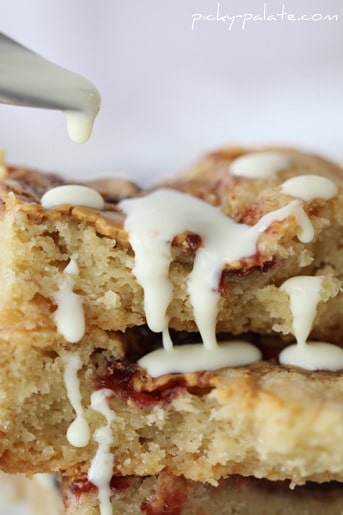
x: 78, y: 433
x: 101, y: 469
x: 69, y: 315
x: 304, y: 297
x: 152, y: 222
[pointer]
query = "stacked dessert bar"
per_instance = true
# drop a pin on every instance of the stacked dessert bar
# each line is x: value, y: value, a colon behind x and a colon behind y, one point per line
x: 177, y: 350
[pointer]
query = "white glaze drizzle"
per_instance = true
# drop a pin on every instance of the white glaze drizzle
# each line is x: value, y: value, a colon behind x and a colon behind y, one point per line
x: 304, y: 296
x: 79, y: 125
x: 101, y: 469
x: 195, y: 357
x: 154, y: 220
x: 259, y: 165
x: 78, y: 433
x: 69, y: 315
x: 73, y: 194
x: 310, y: 187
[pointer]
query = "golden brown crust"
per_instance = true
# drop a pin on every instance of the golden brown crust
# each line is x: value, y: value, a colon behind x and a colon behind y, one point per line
x: 210, y: 178
x: 243, y: 199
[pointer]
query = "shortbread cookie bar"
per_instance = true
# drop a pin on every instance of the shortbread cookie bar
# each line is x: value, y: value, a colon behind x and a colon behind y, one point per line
x: 39, y: 242
x: 248, y: 420
x: 194, y: 327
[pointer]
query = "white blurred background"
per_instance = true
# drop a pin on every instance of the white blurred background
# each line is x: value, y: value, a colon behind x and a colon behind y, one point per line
x: 169, y: 93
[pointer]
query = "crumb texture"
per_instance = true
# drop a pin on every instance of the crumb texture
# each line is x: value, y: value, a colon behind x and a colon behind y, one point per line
x: 179, y: 437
